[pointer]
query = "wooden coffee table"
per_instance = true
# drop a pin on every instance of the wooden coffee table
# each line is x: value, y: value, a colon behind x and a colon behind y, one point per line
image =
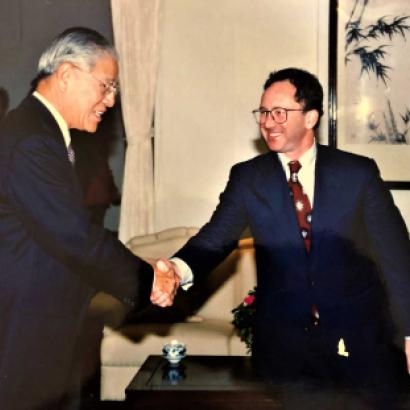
x: 199, y: 383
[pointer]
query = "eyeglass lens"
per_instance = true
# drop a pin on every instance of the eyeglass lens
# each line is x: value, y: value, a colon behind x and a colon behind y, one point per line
x: 279, y: 115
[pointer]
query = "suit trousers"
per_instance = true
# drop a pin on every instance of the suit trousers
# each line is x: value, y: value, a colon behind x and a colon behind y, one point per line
x: 367, y: 379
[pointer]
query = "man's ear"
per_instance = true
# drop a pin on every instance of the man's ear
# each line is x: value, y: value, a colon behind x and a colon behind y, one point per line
x: 63, y: 74
x: 312, y: 117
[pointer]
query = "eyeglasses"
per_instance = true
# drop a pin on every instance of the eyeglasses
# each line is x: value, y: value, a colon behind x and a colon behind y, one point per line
x: 278, y: 114
x: 108, y: 87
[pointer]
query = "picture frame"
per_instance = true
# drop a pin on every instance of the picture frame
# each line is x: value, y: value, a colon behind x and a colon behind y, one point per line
x: 369, y: 111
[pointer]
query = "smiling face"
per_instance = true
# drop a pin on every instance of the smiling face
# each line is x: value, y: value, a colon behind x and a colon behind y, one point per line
x: 88, y: 97
x: 295, y: 136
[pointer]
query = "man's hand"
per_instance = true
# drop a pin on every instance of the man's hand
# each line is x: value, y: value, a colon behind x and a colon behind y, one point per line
x: 166, y: 283
x: 407, y: 351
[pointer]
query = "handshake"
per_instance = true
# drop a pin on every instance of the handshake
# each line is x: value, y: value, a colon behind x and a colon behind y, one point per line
x: 166, y: 283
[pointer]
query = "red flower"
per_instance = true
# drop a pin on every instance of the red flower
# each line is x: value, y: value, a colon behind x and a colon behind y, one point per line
x: 249, y: 300
x: 243, y: 318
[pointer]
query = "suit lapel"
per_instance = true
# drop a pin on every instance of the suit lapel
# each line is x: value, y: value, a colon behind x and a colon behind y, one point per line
x: 53, y: 131
x: 275, y: 191
x: 40, y: 111
x: 327, y: 192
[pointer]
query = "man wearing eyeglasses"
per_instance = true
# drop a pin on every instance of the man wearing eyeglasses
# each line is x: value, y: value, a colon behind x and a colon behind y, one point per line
x: 330, y: 245
x: 52, y: 260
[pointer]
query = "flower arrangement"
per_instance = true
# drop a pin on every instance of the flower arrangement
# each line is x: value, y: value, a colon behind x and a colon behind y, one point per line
x: 243, y: 317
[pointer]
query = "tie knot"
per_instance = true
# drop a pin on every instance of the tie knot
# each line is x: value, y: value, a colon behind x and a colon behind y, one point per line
x: 294, y: 167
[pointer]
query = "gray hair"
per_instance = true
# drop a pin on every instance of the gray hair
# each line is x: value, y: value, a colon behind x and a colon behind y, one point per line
x: 78, y: 45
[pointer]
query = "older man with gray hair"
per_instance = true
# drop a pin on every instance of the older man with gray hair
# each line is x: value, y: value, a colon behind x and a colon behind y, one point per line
x: 52, y: 259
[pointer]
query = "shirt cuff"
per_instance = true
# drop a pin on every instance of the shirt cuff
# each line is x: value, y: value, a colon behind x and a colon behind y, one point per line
x: 407, y: 337
x: 184, y: 272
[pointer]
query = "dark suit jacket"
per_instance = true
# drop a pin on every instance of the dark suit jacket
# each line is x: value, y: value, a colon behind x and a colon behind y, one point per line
x: 360, y: 249
x: 52, y: 260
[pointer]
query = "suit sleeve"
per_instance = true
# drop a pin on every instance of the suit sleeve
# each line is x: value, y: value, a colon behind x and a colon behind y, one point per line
x: 42, y: 189
x: 216, y: 239
x: 390, y: 240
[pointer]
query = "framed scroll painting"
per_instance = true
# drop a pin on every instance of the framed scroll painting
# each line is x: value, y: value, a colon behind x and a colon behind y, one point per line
x: 369, y: 83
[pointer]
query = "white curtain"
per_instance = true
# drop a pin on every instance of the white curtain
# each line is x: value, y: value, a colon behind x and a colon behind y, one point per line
x: 136, y: 33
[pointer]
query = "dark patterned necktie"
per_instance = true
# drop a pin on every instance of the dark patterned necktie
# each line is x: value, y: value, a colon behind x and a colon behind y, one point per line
x: 71, y: 154
x: 304, y: 216
x: 302, y: 204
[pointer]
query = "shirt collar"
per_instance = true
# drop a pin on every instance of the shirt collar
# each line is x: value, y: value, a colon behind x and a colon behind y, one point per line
x: 57, y: 116
x: 306, y: 160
